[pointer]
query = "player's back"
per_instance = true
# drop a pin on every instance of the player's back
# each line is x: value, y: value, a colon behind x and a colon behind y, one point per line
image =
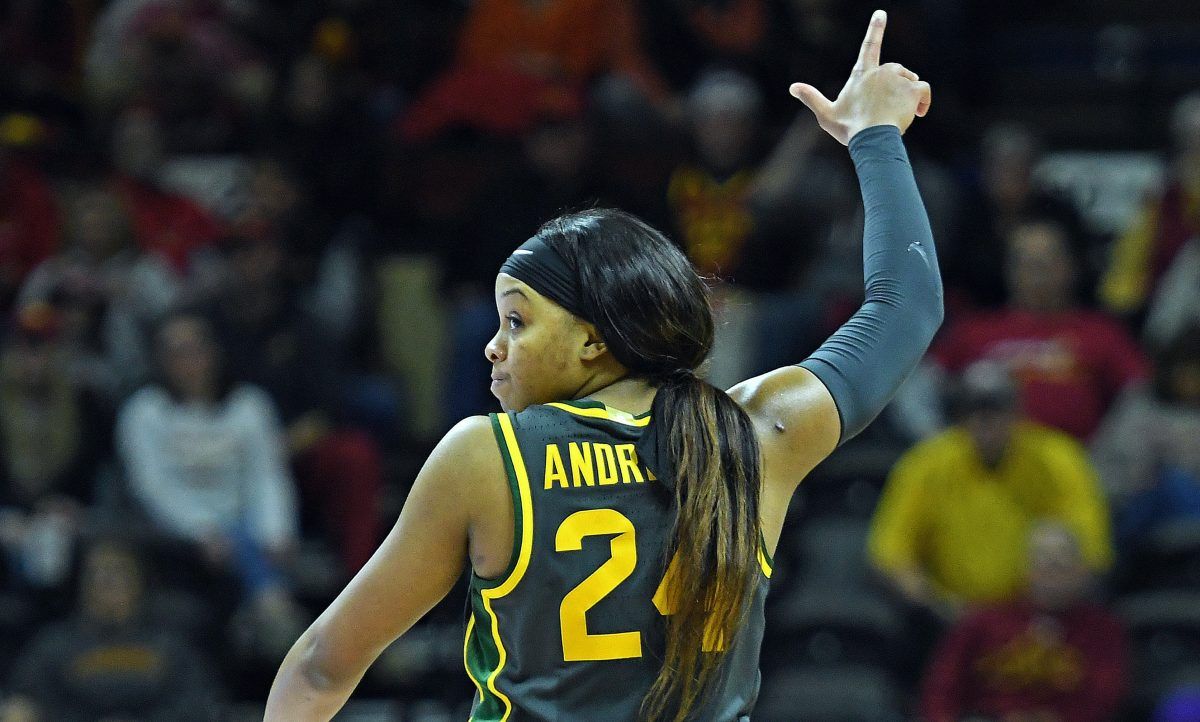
x: 574, y: 629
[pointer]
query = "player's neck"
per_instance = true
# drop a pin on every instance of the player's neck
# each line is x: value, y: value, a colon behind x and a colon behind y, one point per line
x: 632, y: 395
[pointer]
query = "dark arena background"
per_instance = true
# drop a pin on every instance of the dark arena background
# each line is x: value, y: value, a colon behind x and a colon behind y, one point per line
x: 247, y: 250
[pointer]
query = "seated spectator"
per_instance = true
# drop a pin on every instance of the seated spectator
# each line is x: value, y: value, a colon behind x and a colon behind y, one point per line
x: 951, y: 524
x: 109, y: 660
x: 205, y: 459
x: 49, y: 434
x: 1049, y: 655
x: 186, y: 59
x: 273, y: 343
x: 1147, y: 451
x: 1144, y: 253
x: 1071, y: 363
x: 163, y: 222
x: 738, y: 215
x: 112, y: 293
x: 29, y: 221
x: 1005, y: 196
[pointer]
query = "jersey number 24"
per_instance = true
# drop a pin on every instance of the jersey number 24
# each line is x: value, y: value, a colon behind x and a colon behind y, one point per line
x: 578, y: 644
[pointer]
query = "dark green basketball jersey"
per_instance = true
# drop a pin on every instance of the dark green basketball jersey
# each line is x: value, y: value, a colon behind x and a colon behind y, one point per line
x: 574, y: 630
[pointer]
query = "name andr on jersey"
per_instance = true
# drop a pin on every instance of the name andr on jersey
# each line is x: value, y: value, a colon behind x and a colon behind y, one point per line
x: 593, y: 463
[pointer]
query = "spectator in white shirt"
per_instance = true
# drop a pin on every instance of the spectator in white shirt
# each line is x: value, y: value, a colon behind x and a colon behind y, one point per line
x: 205, y: 459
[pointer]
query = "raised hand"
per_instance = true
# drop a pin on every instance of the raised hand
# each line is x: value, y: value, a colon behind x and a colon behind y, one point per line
x: 875, y: 94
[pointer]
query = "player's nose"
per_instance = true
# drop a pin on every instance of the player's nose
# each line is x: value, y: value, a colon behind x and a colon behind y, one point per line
x: 494, y: 350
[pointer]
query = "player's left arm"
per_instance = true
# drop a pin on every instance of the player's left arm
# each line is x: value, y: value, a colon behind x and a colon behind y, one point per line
x: 803, y: 412
x: 415, y: 567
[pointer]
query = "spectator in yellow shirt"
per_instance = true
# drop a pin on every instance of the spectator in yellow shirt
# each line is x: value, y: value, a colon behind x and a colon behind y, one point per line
x: 952, y: 524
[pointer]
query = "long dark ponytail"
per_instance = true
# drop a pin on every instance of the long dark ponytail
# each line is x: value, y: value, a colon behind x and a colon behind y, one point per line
x: 651, y: 308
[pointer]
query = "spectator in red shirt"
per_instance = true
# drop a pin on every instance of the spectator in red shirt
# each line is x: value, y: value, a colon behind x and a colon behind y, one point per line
x: 164, y: 222
x: 1051, y: 656
x: 1071, y: 362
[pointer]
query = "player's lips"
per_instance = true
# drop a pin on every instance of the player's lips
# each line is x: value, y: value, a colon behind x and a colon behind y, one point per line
x: 498, y: 379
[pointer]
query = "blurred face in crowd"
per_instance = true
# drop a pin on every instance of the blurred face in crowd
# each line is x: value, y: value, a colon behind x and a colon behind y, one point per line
x: 189, y: 357
x: 1008, y: 157
x: 111, y: 585
x: 724, y: 107
x: 98, y: 223
x: 1058, y: 576
x: 1040, y: 268
x: 558, y: 151
x: 988, y: 401
x: 724, y: 136
x: 137, y: 148
x: 991, y: 428
x: 273, y: 193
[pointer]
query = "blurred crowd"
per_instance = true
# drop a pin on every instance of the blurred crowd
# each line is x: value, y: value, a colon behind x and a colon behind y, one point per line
x: 247, y: 251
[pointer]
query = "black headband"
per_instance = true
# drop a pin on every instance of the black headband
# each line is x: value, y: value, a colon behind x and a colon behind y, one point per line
x: 540, y: 266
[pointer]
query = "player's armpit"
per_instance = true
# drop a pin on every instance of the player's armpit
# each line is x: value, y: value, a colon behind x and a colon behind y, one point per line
x: 796, y: 421
x: 423, y: 555
x: 415, y: 567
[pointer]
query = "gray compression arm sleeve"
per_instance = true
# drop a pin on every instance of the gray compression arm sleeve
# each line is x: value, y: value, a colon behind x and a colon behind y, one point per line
x: 865, y: 361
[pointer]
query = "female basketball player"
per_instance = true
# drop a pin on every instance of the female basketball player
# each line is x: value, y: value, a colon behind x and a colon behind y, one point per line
x: 618, y: 518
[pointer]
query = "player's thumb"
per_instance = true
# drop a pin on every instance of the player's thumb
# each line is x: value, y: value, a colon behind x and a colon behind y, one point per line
x: 811, y: 97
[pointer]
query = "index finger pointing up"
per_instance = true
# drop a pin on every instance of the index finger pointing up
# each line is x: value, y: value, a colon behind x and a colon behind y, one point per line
x: 868, y: 56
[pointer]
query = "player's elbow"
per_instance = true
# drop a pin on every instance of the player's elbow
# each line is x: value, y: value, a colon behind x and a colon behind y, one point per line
x: 316, y: 664
x: 308, y: 686
x: 928, y: 314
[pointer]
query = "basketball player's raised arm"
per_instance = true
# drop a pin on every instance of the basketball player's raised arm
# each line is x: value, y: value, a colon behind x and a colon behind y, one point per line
x: 415, y: 567
x: 803, y: 412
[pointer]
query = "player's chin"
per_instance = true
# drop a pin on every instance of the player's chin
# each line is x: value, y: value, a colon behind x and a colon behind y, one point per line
x: 503, y: 391
x: 513, y: 402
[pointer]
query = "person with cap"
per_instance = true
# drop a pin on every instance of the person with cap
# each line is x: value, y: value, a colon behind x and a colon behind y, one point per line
x: 618, y: 519
x: 951, y: 525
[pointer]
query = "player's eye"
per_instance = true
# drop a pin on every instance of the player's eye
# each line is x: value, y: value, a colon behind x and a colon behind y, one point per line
x: 514, y: 321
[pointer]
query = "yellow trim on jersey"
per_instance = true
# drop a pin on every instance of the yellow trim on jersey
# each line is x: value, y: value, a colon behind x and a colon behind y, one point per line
x: 621, y: 417
x: 762, y: 560
x: 509, y: 584
x: 466, y: 653
x: 764, y: 556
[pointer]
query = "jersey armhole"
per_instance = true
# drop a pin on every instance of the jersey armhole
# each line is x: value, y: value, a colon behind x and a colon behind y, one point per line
x: 764, y: 556
x: 518, y: 486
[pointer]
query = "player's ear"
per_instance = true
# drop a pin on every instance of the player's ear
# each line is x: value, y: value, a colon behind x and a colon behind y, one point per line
x: 593, y: 346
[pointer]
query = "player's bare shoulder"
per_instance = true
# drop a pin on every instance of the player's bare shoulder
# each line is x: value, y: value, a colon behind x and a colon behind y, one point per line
x: 794, y: 417
x: 470, y: 454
